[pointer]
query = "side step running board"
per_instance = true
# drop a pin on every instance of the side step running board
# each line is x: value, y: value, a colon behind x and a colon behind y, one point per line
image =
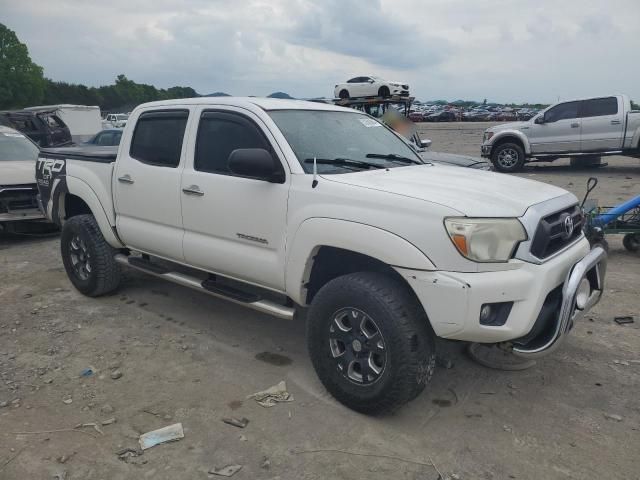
x: 230, y: 294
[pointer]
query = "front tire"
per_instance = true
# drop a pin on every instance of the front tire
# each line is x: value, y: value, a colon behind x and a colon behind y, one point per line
x: 384, y: 92
x: 344, y: 94
x: 87, y: 257
x: 370, y: 342
x: 508, y: 157
x: 631, y: 241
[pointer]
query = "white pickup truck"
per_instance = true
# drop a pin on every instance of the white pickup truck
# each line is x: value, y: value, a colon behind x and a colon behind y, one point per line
x: 285, y: 205
x: 588, y: 128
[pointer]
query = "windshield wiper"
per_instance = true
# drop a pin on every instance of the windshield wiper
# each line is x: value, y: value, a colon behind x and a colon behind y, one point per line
x: 393, y: 156
x: 344, y: 162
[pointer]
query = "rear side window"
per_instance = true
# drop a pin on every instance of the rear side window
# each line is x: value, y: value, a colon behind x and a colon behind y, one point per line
x: 219, y: 134
x: 564, y: 111
x: 599, y: 107
x: 53, y: 121
x: 157, y: 139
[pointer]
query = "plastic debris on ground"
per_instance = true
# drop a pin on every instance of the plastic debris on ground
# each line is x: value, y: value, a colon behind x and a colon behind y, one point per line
x: 623, y: 320
x: 227, y: 471
x: 236, y: 422
x: 272, y: 395
x: 166, y: 434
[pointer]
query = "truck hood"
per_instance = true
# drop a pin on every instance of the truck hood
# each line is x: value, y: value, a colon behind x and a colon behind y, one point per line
x: 17, y: 172
x: 508, y: 126
x: 474, y: 193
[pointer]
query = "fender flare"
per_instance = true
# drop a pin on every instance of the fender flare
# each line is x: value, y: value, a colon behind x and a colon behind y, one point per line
x: 357, y: 237
x: 498, y: 137
x: 79, y: 188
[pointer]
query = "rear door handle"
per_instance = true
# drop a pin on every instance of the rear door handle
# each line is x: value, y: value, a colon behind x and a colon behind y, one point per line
x: 193, y: 190
x: 615, y: 122
x: 126, y: 179
x: 575, y: 125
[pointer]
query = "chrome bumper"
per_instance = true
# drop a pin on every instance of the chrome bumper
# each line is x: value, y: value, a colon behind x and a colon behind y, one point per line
x: 592, y: 267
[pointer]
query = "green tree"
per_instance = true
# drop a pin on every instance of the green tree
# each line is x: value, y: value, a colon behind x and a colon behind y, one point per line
x: 21, y: 80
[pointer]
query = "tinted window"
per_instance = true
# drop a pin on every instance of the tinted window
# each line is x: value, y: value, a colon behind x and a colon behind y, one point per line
x: 158, y: 136
x: 353, y: 80
x: 600, y: 106
x: 564, y: 111
x: 219, y: 134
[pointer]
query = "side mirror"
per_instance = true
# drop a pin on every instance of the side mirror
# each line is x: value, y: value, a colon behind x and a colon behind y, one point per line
x: 371, y: 80
x: 255, y: 163
x: 425, y: 143
x: 539, y: 120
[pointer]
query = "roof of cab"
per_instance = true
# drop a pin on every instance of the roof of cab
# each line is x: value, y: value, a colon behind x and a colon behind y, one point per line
x: 260, y: 102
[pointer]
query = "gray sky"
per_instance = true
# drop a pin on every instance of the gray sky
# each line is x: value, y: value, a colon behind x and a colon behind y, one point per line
x: 502, y: 50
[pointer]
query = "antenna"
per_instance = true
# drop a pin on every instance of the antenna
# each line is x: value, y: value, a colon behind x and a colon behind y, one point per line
x: 314, y: 183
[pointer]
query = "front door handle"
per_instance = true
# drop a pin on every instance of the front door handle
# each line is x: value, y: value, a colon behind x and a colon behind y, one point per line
x: 126, y: 179
x: 615, y: 122
x: 193, y: 190
x: 575, y: 125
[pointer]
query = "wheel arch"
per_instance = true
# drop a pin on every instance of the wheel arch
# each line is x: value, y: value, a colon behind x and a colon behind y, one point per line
x: 512, y: 137
x: 323, y: 249
x: 77, y: 198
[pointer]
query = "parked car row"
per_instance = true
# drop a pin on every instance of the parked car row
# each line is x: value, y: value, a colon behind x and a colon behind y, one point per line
x: 437, y: 113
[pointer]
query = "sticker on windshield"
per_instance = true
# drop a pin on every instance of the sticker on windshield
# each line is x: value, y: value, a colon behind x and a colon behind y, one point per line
x: 17, y: 135
x: 369, y: 122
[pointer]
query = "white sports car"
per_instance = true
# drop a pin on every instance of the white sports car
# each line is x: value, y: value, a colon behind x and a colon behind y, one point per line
x: 370, y: 87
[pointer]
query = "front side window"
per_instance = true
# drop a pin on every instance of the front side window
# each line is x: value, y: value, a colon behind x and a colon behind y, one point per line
x: 356, y: 141
x: 599, y: 107
x: 564, y: 111
x: 157, y: 139
x: 219, y: 134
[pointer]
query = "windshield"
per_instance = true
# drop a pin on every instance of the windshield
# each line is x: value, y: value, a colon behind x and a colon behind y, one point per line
x: 15, y: 146
x: 331, y: 135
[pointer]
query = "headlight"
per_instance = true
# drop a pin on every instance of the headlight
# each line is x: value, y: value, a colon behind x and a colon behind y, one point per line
x: 485, y: 239
x: 487, y: 136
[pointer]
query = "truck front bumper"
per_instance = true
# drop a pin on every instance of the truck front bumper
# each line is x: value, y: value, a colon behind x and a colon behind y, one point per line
x: 543, y: 301
x: 485, y: 150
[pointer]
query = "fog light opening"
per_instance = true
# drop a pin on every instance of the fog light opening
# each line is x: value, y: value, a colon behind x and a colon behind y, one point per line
x: 582, y: 296
x: 485, y: 313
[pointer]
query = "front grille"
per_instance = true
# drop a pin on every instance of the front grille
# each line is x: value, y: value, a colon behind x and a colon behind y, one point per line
x: 18, y: 197
x: 552, y: 234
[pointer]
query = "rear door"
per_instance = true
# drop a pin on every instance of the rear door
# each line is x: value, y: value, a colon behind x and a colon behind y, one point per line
x: 602, y: 124
x: 146, y: 184
x: 234, y: 225
x: 560, y: 131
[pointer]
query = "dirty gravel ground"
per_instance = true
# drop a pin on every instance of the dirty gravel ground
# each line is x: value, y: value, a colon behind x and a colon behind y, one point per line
x: 189, y: 358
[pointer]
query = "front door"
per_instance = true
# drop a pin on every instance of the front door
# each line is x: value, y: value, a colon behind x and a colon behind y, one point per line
x: 146, y: 184
x: 560, y: 131
x: 602, y: 124
x: 234, y: 225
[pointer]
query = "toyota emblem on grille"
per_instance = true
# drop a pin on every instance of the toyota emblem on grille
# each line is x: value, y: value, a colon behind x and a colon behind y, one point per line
x: 568, y: 226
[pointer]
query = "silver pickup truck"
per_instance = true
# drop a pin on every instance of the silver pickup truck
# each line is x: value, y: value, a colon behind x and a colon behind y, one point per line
x: 591, y: 127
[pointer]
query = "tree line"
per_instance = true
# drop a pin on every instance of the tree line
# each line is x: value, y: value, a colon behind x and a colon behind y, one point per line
x: 23, y: 84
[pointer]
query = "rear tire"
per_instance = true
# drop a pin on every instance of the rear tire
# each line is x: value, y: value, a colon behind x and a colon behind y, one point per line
x: 631, y: 242
x: 384, y: 92
x: 344, y: 94
x: 87, y: 257
x: 508, y: 157
x: 370, y: 342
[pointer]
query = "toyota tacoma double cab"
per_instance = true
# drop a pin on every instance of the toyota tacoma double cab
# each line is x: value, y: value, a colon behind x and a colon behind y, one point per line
x: 579, y: 129
x: 286, y: 206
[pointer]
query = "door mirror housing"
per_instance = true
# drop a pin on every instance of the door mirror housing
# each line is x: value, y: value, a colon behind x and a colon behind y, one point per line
x: 425, y: 143
x: 256, y: 163
x: 539, y: 120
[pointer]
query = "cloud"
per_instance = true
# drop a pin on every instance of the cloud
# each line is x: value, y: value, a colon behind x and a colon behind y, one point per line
x: 503, y: 50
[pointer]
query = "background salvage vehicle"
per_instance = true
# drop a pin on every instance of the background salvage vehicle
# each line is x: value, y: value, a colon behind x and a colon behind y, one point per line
x: 45, y: 128
x: 370, y: 87
x: 18, y: 190
x: 326, y: 208
x: 106, y: 138
x: 588, y: 128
